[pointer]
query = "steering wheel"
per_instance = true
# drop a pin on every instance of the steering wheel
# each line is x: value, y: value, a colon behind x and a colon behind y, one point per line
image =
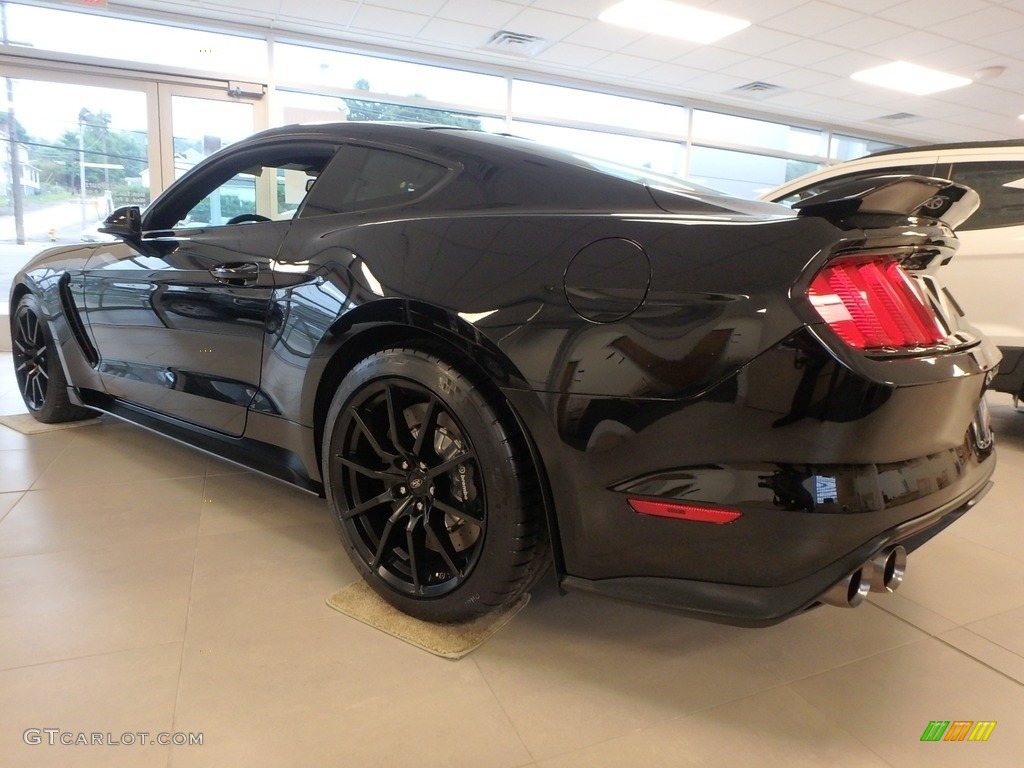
x: 246, y: 217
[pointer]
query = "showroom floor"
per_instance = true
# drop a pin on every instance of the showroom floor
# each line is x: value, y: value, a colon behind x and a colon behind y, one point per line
x: 145, y: 587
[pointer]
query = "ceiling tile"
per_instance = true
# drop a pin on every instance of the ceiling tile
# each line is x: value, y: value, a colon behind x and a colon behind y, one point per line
x: 755, y: 41
x: 805, y: 53
x: 670, y: 74
x: 571, y: 55
x: 990, y: 21
x: 621, y: 65
x: 336, y: 14
x: 752, y: 10
x: 914, y: 13
x: 391, y: 22
x: 550, y: 26
x: 710, y: 59
x: 811, y: 18
x: 422, y: 7
x: 455, y: 33
x: 863, y: 31
x: 907, y: 46
x: 493, y: 13
x: 607, y: 37
x: 714, y: 83
x: 1010, y: 42
x: 869, y: 7
x: 756, y: 69
x: 586, y: 9
x: 846, y: 64
x: 660, y: 48
x: 804, y: 77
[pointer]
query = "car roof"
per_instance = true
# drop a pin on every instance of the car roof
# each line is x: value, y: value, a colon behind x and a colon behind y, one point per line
x: 1010, y: 143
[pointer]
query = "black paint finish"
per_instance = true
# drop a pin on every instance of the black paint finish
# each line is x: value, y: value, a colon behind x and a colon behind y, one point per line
x: 652, y: 341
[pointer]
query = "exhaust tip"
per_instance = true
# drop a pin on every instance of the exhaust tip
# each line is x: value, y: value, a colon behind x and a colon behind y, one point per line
x: 848, y: 593
x: 887, y: 569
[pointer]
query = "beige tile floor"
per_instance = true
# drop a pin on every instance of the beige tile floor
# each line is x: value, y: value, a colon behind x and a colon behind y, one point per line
x: 146, y: 587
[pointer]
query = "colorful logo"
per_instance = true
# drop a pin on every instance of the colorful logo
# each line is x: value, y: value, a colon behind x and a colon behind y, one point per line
x: 958, y: 730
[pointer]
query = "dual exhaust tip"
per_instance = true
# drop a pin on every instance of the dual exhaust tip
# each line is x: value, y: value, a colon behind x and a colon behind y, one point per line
x: 882, y: 573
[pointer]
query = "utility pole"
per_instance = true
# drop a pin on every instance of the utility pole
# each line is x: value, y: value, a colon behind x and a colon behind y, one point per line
x: 12, y: 140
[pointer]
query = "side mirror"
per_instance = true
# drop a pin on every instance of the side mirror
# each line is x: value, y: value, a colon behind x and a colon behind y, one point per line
x: 125, y: 222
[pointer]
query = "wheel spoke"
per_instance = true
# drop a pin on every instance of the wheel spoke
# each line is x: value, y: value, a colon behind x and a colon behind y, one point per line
x: 371, y: 439
x: 410, y: 542
x: 444, y: 545
x: 396, y: 422
x: 460, y: 514
x: 376, y: 474
x: 385, y: 535
x: 450, y: 464
x: 425, y: 437
x: 366, y: 506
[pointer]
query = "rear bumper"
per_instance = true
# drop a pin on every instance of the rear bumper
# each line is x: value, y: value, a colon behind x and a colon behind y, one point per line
x: 762, y: 606
x: 828, y: 460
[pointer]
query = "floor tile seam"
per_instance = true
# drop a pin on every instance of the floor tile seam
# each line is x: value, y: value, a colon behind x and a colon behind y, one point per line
x: 1017, y: 558
x: 117, y: 545
x: 282, y: 527
x: 21, y: 495
x: 497, y: 700
x: 982, y: 662
x: 845, y: 730
x: 188, y: 617
x: 98, y: 655
x: 924, y: 636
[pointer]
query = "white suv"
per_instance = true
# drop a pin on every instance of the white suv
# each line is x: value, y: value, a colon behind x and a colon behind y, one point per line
x: 986, y: 276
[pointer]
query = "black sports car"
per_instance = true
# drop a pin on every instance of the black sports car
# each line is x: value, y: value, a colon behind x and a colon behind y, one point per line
x: 493, y: 357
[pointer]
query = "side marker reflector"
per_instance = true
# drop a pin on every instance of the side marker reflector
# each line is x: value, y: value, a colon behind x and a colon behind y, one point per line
x: 680, y: 511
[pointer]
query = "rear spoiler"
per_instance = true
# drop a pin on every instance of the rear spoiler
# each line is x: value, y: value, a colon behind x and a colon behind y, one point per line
x: 880, y: 200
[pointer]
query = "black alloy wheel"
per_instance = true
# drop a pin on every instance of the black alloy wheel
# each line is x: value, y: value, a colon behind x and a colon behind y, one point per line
x: 437, y: 509
x: 37, y: 368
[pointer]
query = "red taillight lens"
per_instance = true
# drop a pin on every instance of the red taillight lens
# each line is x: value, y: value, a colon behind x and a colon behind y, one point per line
x: 874, y: 303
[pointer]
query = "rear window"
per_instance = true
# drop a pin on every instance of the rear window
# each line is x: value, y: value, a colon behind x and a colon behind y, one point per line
x: 362, y: 178
x: 1000, y: 185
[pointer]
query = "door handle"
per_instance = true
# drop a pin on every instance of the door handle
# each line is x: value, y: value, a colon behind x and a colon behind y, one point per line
x: 238, y: 273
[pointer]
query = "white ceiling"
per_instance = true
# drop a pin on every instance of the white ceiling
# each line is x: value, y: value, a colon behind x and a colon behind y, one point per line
x: 808, y: 47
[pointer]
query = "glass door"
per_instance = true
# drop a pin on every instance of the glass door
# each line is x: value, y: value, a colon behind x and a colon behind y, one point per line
x: 73, y: 151
x: 201, y: 121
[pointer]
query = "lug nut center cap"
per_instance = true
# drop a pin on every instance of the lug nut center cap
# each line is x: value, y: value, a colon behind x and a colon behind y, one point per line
x: 419, y: 483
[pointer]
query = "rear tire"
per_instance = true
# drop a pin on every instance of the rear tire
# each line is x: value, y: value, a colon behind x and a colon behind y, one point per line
x: 37, y: 367
x: 431, y: 488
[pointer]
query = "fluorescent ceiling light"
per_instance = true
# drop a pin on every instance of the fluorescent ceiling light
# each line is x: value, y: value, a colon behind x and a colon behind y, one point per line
x: 661, y: 17
x: 910, y: 78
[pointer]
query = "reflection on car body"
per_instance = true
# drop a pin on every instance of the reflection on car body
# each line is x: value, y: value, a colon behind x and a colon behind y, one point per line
x: 494, y: 358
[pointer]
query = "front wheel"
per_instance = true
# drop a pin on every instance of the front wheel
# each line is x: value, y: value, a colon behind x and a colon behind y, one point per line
x: 431, y: 490
x: 37, y: 367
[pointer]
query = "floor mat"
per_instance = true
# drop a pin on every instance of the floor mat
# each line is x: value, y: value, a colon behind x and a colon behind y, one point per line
x: 451, y: 641
x: 27, y: 425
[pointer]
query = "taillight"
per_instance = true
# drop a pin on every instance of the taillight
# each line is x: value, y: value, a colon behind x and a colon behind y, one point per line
x: 872, y: 303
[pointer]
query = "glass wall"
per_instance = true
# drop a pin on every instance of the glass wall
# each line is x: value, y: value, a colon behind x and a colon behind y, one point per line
x: 80, y: 150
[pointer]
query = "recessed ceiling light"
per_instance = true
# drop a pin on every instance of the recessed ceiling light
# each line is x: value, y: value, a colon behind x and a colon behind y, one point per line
x: 910, y: 78
x: 661, y: 17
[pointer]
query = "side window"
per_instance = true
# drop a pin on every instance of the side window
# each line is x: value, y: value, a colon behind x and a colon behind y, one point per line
x: 236, y: 197
x: 1000, y: 185
x: 830, y: 184
x: 255, y: 184
x: 362, y: 178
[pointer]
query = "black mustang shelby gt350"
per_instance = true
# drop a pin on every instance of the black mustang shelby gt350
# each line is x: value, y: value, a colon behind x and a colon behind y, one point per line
x: 492, y: 357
